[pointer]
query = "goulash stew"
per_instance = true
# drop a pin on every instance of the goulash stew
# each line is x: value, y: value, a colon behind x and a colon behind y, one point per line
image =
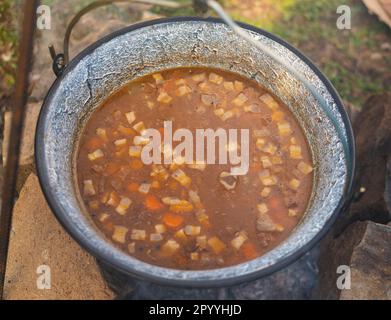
x: 194, y: 215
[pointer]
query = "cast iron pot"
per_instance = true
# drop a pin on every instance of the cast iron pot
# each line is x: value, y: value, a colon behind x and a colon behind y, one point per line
x: 153, y: 46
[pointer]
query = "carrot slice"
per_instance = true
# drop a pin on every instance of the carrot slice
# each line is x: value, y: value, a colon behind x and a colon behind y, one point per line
x: 249, y: 250
x: 172, y: 220
x: 125, y: 130
x: 132, y: 187
x: 94, y: 143
x: 136, y: 164
x: 153, y: 203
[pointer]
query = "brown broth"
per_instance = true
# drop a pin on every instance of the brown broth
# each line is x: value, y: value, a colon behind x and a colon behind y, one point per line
x: 223, y: 214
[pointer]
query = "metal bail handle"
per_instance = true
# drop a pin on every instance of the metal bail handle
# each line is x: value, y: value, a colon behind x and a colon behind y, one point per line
x: 201, y: 6
x: 61, y: 60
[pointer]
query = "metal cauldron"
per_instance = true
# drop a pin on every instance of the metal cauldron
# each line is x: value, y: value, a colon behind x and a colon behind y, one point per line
x: 157, y: 45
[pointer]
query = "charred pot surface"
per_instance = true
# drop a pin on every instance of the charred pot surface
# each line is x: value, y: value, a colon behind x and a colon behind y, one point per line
x: 155, y: 46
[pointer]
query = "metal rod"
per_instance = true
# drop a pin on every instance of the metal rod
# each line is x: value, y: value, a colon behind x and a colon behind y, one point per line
x: 18, y: 111
x: 271, y: 53
x: 101, y: 3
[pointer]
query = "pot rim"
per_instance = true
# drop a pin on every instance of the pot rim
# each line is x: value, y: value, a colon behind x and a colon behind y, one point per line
x: 287, y: 260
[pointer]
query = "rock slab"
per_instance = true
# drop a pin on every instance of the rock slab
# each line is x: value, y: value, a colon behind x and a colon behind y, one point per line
x: 38, y: 239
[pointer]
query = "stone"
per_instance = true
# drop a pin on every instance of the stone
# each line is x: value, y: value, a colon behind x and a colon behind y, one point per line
x: 366, y: 248
x: 371, y: 265
x: 38, y: 239
x: 372, y: 129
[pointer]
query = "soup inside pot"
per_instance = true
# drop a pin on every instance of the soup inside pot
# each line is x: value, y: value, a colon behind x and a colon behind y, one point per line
x: 171, y: 207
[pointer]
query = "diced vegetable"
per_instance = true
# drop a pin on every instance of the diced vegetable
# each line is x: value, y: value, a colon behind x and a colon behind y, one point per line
x: 119, y: 234
x: 265, y: 223
x: 266, y: 192
x: 120, y: 142
x: 153, y: 203
x: 262, y: 208
x: 144, y: 188
x: 155, y: 237
x: 160, y: 228
x: 103, y: 217
x: 180, y: 176
x: 164, y: 97
x: 240, y: 100
x: 284, y: 128
x: 140, y: 140
x: 180, y: 234
x: 210, y: 99
x: 266, y: 178
x: 239, y: 86
x: 269, y: 101
x: 266, y: 163
x: 260, y: 143
x: 276, y: 160
x: 136, y: 164
x: 261, y: 133
x: 132, y: 247
x: 194, y: 256
x: 138, y: 234
x: 130, y: 116
x: 194, y: 197
x: 170, y: 247
x: 304, y: 167
x: 135, y: 151
x: 216, y: 244
x: 159, y: 172
x: 229, y: 85
x: 139, y: 127
x: 204, y: 86
x: 89, y: 189
x: 171, y: 200
x: 252, y: 108
x: 125, y: 130
x: 172, y: 220
x: 215, y: 78
x: 192, y: 230
x: 102, y: 134
x: 277, y: 116
x: 133, y: 187
x: 293, y: 212
x: 155, y: 184
x: 183, y: 90
x: 113, y: 200
x: 158, y: 78
x: 294, y: 184
x: 219, y: 112
x: 182, y: 207
x: 295, y: 152
x: 227, y: 115
x: 239, y: 240
x: 249, y: 250
x: 123, y: 206
x: 201, y: 242
x: 150, y: 104
x: 199, y: 77
x: 228, y: 180
x: 97, y: 154
x: 203, y: 218
x: 270, y: 148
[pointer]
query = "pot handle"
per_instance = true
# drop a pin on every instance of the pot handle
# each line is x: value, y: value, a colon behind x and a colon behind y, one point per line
x: 61, y: 60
